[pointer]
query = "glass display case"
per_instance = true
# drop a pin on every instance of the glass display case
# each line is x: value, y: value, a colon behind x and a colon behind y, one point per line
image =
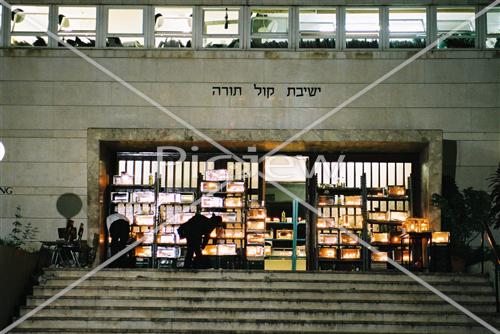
x: 416, y: 225
x: 380, y: 238
x: 441, y: 238
x: 220, y: 250
x: 255, y: 251
x: 256, y: 235
x: 328, y: 238
x: 350, y: 254
x: 143, y: 197
x: 328, y: 253
x: 339, y: 224
x: 379, y: 257
x: 223, y: 196
x: 212, y: 202
x: 168, y: 252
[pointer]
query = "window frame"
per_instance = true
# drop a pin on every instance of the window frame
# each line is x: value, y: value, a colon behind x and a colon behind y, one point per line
x: 203, y: 35
x: 298, y: 32
x: 173, y: 34
x: 426, y: 33
x: 438, y: 34
x: 287, y: 36
x: 245, y: 35
x: 42, y: 34
x: 95, y: 32
x: 489, y: 35
x: 3, y: 25
x: 145, y: 27
x: 380, y: 34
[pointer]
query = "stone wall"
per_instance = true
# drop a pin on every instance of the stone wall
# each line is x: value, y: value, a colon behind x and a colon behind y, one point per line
x: 49, y: 98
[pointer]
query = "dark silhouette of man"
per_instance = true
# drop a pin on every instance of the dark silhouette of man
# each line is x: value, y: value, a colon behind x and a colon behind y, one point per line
x: 119, y: 232
x: 197, y: 232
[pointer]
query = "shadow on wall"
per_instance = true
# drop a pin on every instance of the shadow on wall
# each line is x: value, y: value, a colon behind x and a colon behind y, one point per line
x: 69, y: 205
x: 450, y: 158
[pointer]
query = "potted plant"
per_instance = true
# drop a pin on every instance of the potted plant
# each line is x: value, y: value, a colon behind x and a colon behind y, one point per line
x: 19, y: 263
x: 462, y: 214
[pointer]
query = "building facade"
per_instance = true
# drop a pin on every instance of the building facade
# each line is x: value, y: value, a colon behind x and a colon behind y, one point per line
x: 257, y: 72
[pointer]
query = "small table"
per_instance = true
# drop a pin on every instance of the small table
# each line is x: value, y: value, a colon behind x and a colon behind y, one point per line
x: 60, y: 250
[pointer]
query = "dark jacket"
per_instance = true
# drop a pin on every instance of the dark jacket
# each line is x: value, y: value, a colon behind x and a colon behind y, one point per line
x: 119, y: 231
x: 197, y: 227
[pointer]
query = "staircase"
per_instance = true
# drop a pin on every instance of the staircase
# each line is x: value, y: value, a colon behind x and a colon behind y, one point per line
x: 213, y: 301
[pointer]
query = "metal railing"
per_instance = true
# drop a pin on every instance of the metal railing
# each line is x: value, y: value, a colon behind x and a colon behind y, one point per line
x: 495, y: 258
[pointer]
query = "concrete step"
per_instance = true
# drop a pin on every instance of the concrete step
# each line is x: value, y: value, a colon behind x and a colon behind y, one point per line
x: 263, y: 325
x: 268, y: 303
x: 192, y: 331
x: 271, y: 283
x: 262, y: 275
x: 297, y: 292
x: 239, y: 301
x: 239, y: 313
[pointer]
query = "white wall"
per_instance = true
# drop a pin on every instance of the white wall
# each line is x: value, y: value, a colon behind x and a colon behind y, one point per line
x: 48, y: 98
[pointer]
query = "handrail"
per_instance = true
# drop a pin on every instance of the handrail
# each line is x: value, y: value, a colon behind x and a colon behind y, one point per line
x: 496, y: 259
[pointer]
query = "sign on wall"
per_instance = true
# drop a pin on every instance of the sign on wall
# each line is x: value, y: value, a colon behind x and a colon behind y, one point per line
x: 266, y: 91
x: 6, y: 190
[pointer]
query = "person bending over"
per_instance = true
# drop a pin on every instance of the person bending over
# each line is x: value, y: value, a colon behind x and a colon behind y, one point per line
x: 197, y: 232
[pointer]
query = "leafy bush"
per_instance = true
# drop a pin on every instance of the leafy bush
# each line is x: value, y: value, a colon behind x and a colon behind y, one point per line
x: 362, y: 44
x: 416, y: 43
x: 20, y: 234
x: 495, y: 197
x: 462, y: 213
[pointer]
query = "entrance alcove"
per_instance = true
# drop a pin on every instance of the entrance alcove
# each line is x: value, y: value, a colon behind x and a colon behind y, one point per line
x: 423, y: 148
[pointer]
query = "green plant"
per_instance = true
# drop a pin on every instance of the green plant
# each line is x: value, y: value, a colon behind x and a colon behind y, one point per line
x: 15, y: 235
x: 20, y: 234
x: 495, y: 197
x: 462, y: 214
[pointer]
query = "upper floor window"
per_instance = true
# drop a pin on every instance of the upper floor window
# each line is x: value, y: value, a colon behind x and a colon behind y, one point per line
x: 1, y: 25
x: 221, y: 28
x: 29, y: 25
x: 362, y: 28
x: 493, y: 28
x: 407, y: 27
x: 77, y: 25
x: 173, y: 27
x: 269, y: 28
x: 450, y: 18
x: 125, y: 27
x: 317, y: 28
